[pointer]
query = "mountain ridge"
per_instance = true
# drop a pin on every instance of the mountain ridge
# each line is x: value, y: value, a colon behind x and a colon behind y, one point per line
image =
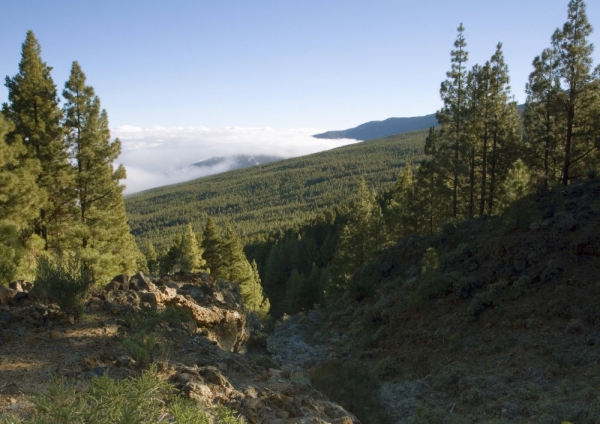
x: 378, y: 129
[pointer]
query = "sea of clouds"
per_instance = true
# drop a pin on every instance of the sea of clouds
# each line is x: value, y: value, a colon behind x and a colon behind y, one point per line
x: 160, y: 156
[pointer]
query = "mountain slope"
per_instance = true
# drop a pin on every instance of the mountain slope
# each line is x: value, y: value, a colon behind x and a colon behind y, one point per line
x: 504, y: 330
x: 269, y: 197
x: 377, y: 129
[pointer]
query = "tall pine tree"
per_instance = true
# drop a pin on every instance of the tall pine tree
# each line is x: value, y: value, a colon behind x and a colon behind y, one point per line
x: 577, y: 96
x: 101, y: 234
x: 213, y: 246
x: 452, y: 117
x: 33, y: 109
x: 19, y: 205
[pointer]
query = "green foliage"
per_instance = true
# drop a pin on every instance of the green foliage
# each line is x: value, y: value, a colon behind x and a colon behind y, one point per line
x: 431, y: 283
x: 33, y: 110
x: 353, y: 387
x: 167, y: 263
x: 361, y: 238
x: 191, y: 254
x: 517, y: 184
x: 212, y: 244
x: 142, y: 400
x: 64, y: 282
x: 386, y: 369
x: 19, y: 196
x: 143, y: 348
x: 57, y: 182
x: 151, y: 257
x: 492, y: 296
x: 519, y: 208
x: 563, y: 104
x: 147, y: 319
x: 100, y: 232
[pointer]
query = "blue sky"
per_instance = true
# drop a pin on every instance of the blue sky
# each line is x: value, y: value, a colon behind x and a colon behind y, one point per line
x: 320, y: 64
x: 306, y: 65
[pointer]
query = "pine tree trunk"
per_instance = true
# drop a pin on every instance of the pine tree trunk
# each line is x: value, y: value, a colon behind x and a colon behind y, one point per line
x: 567, y: 162
x: 493, y: 174
x: 472, y: 184
x: 483, y: 173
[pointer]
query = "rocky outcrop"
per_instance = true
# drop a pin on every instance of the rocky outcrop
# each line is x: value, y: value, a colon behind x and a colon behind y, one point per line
x: 215, y: 305
x: 273, y: 400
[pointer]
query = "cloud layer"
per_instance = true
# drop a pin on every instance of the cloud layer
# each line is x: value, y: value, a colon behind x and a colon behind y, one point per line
x: 160, y: 156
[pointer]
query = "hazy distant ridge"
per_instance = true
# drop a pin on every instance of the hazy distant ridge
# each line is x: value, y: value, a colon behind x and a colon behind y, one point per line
x: 237, y: 161
x: 378, y: 129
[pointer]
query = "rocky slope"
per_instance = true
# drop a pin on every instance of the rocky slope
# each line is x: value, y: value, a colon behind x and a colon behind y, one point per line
x: 506, y: 329
x: 201, y: 352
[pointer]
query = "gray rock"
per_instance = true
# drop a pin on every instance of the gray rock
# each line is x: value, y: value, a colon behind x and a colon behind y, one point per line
x: 139, y: 282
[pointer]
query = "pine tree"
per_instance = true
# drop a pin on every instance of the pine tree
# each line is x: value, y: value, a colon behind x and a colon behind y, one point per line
x: 493, y: 130
x: 358, y: 242
x: 452, y: 117
x: 103, y: 238
x: 33, y: 109
x: 213, y: 246
x: 294, y: 292
x: 254, y: 299
x: 191, y: 254
x: 151, y: 257
x: 237, y: 269
x: 170, y: 260
x: 577, y: 94
x: 399, y: 207
x: 517, y: 184
x: 430, y: 203
x: 19, y: 202
x: 517, y: 207
x: 543, y: 121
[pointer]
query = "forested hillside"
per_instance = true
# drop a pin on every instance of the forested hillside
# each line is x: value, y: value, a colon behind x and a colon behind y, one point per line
x: 272, y: 197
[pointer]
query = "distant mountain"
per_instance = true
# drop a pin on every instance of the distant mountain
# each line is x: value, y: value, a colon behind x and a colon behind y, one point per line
x: 378, y: 129
x: 236, y: 161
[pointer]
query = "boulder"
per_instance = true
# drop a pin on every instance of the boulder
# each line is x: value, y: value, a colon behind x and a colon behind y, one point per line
x: 6, y: 295
x: 139, y: 282
x: 227, y: 326
x: 16, y: 285
x: 151, y: 298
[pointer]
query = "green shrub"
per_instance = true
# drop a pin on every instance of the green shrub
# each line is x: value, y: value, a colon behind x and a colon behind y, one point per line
x: 353, y: 387
x: 257, y: 340
x: 143, y: 348
x: 386, y: 369
x: 490, y: 297
x: 147, y: 319
x: 264, y: 361
x: 143, y: 400
x: 64, y: 282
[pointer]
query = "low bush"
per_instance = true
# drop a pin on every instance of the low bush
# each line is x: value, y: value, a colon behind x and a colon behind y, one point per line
x: 386, y: 369
x: 64, y: 282
x: 144, y: 348
x: 353, y: 387
x: 147, y: 319
x: 143, y: 400
x: 490, y: 297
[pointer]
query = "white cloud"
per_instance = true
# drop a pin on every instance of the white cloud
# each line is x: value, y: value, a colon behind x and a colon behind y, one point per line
x: 160, y: 156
